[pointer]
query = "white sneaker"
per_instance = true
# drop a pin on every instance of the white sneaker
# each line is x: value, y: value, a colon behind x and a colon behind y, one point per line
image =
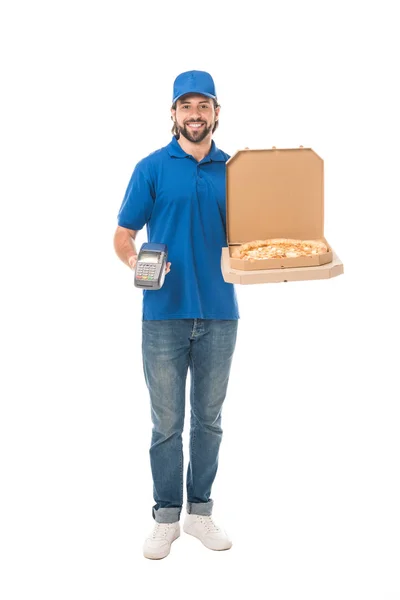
x: 204, y: 528
x: 158, y: 544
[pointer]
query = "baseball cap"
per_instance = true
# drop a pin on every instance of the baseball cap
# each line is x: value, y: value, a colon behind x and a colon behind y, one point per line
x: 193, y: 82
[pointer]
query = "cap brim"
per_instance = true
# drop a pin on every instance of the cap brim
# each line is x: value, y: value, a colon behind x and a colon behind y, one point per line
x: 194, y: 92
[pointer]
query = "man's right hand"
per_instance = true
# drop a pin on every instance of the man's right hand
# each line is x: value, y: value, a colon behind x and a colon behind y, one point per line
x: 132, y: 260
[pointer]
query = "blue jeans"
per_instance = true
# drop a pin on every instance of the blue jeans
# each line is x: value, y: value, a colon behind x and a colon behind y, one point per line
x: 169, y: 349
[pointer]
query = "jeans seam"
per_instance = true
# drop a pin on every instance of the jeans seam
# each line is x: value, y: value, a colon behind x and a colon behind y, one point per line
x: 192, y: 410
x: 193, y: 328
x: 181, y: 479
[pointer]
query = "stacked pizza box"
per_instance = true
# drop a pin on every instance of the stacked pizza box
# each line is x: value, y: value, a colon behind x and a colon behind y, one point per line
x: 275, y: 194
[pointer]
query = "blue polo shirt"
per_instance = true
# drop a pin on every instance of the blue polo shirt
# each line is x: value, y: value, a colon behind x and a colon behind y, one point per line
x: 182, y: 203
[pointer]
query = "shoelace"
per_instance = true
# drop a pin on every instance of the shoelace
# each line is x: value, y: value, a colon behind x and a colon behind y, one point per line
x: 209, y: 523
x: 160, y: 530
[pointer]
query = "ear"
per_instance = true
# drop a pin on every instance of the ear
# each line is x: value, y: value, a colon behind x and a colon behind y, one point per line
x: 173, y: 114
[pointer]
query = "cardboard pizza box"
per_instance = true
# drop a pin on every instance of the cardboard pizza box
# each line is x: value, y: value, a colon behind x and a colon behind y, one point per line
x: 276, y: 193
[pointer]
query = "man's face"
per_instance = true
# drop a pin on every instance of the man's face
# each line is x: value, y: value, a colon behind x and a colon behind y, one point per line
x: 195, y: 117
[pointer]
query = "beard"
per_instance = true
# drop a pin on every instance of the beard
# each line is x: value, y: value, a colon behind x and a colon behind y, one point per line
x: 192, y: 135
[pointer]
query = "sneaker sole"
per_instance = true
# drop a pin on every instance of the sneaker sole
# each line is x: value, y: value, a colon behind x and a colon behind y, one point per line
x: 204, y: 544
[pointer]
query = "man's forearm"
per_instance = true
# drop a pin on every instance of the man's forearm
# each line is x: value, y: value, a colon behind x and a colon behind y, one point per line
x: 124, y: 247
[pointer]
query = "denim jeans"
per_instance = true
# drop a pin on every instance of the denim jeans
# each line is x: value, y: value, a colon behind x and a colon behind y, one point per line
x: 169, y: 349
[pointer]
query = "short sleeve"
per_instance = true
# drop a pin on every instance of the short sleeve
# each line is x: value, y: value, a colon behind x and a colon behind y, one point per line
x: 137, y: 205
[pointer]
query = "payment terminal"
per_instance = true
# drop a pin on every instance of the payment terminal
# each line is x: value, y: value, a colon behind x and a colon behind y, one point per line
x: 150, y: 266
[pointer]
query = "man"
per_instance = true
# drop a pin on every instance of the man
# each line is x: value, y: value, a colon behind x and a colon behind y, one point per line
x: 191, y: 322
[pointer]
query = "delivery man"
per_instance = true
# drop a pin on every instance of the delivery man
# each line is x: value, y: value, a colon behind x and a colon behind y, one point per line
x: 191, y: 323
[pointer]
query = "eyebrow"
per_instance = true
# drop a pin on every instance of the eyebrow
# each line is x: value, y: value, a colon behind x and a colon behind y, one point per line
x: 189, y: 102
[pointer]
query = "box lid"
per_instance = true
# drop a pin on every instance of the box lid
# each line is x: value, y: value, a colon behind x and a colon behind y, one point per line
x: 274, y: 193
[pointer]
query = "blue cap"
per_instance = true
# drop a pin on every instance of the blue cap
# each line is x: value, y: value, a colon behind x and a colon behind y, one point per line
x: 194, y: 82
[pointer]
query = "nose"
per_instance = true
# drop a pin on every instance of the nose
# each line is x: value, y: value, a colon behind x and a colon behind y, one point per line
x: 195, y: 113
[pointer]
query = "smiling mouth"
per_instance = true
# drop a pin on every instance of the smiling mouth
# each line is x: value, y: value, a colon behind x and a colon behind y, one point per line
x: 195, y: 125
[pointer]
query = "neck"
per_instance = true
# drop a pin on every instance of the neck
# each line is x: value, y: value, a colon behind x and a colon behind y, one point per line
x: 198, y: 151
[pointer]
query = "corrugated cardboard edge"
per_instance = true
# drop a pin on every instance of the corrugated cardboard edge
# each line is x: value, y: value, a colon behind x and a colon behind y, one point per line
x: 327, y: 271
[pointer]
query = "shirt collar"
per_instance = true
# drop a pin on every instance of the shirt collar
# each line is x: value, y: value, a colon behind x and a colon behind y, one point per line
x: 175, y: 150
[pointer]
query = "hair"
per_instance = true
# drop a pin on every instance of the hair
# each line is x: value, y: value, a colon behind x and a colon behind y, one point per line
x: 175, y: 130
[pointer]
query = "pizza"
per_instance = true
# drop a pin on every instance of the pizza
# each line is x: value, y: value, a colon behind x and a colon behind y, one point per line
x: 280, y: 248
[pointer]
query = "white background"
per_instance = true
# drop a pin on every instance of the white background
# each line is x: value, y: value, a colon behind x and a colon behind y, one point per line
x: 308, y: 484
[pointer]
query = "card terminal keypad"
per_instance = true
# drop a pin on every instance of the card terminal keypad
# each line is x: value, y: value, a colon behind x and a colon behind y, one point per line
x: 146, y: 271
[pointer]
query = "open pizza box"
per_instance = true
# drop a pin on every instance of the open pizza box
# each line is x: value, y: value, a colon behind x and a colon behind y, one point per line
x: 276, y: 193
